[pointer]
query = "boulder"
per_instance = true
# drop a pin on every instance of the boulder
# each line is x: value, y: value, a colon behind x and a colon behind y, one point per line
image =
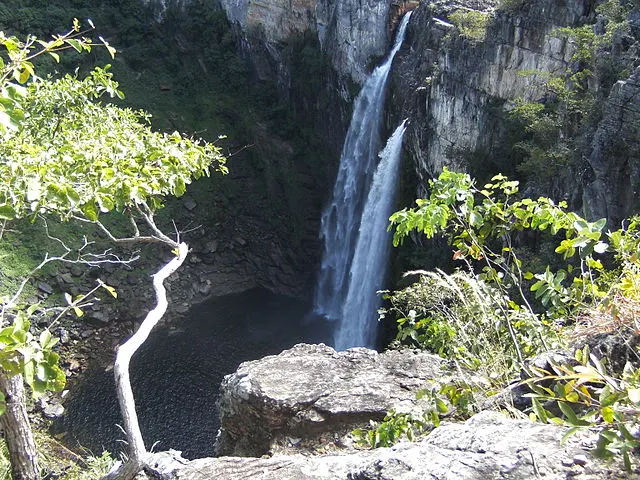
x: 311, y: 391
x: 488, y: 446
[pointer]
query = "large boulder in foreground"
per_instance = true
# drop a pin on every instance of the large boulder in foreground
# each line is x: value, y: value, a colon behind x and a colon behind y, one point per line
x: 488, y: 446
x: 311, y: 391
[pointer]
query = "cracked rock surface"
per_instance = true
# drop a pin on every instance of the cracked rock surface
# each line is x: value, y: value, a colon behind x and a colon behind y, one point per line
x: 311, y: 390
x: 488, y: 446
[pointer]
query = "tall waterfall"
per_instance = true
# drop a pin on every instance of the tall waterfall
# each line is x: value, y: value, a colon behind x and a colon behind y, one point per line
x: 369, y: 265
x: 341, y: 219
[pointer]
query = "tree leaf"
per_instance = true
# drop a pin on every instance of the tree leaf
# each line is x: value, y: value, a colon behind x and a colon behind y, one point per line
x: 540, y: 412
x: 76, y: 44
x: 7, y: 212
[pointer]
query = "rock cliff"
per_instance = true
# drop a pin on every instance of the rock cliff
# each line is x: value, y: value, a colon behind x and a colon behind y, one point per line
x: 350, y: 32
x: 312, y: 390
x: 488, y: 446
x: 457, y: 92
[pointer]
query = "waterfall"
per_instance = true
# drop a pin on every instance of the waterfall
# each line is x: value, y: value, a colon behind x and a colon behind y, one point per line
x: 369, y: 265
x: 341, y: 219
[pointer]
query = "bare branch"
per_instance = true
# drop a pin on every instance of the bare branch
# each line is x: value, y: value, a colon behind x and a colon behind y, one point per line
x: 137, y: 451
x: 123, y: 240
x: 147, y: 215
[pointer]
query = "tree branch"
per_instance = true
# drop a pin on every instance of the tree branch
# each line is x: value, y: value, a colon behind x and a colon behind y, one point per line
x: 137, y: 449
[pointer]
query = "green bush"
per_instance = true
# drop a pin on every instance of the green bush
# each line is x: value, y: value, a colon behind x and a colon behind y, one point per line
x: 511, y: 6
x: 471, y: 24
x: 461, y: 317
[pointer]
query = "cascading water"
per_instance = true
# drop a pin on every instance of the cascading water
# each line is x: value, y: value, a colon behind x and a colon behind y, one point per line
x: 369, y: 265
x: 341, y: 218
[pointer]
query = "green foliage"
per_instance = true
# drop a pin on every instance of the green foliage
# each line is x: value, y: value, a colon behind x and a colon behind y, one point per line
x: 586, y: 395
x: 471, y: 24
x: 462, y: 317
x: 452, y: 399
x: 20, y: 352
x: 393, y: 428
x: 68, y: 135
x: 65, y: 152
x: 58, y: 462
x: 511, y: 6
x: 92, y: 468
x: 473, y: 219
x: 468, y: 317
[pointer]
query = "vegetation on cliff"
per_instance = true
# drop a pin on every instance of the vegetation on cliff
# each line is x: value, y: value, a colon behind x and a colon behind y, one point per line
x: 504, y: 306
x: 70, y: 153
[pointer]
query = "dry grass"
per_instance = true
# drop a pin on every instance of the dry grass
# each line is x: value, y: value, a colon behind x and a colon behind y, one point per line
x: 621, y: 314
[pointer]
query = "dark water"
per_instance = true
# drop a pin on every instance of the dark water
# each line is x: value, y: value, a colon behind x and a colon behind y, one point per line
x: 176, y: 375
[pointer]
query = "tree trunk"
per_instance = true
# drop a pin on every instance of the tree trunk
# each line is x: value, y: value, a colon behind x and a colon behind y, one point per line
x: 17, y: 430
x: 137, y: 450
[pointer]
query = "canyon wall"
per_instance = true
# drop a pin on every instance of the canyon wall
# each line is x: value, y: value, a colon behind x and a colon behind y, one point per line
x: 457, y: 92
x: 350, y: 32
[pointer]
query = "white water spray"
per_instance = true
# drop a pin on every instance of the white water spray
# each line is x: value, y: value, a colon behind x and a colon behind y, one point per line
x: 369, y: 265
x: 341, y: 218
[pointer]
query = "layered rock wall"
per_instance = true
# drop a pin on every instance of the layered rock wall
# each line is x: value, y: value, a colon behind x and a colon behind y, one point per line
x: 457, y: 92
x: 350, y: 32
x: 452, y: 87
x: 311, y: 390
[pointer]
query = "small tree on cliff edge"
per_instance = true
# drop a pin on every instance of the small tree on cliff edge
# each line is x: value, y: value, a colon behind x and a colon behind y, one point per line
x: 66, y: 153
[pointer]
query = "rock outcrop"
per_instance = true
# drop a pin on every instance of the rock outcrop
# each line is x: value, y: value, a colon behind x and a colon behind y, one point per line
x: 457, y: 91
x: 312, y: 390
x: 487, y: 446
x: 453, y: 87
x: 289, y: 406
x: 351, y: 32
x: 613, y: 187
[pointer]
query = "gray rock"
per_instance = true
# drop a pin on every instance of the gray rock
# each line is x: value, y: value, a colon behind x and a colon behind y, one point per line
x: 211, y: 247
x: 98, y: 317
x: 190, y: 204
x: 311, y: 390
x: 614, y: 159
x: 45, y: 288
x: 163, y: 465
x: 488, y: 446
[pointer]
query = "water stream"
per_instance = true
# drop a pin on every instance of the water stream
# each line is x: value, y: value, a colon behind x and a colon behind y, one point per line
x: 342, y: 218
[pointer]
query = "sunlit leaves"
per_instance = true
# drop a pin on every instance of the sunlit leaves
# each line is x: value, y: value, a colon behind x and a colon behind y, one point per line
x: 21, y: 352
x: 586, y: 395
x: 74, y: 155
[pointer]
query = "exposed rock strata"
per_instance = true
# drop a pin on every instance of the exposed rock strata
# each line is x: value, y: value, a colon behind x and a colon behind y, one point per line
x: 488, y: 446
x: 613, y: 190
x: 457, y: 91
x: 351, y: 32
x: 451, y: 87
x: 311, y: 390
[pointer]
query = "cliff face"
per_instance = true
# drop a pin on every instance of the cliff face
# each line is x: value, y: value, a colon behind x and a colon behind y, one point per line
x: 350, y: 32
x: 458, y: 91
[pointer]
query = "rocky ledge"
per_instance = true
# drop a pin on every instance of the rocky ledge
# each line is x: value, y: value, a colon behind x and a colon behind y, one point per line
x: 487, y: 446
x: 292, y: 410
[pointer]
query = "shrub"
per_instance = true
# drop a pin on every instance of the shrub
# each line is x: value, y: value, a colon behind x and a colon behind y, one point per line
x: 471, y: 24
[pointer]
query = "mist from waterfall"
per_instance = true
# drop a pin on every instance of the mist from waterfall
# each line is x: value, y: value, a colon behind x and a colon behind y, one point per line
x: 342, y: 217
